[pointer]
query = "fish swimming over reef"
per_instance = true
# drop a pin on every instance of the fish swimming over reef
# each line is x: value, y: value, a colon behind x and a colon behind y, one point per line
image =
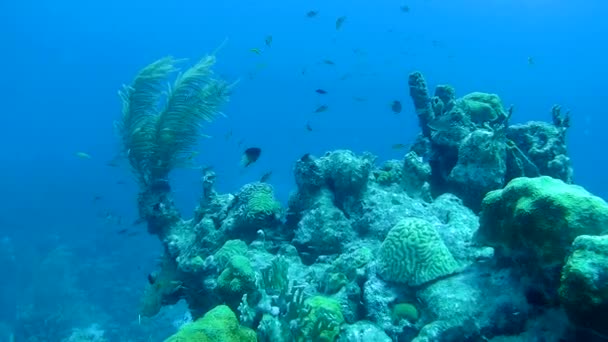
x: 321, y: 91
x: 265, y: 177
x: 250, y: 156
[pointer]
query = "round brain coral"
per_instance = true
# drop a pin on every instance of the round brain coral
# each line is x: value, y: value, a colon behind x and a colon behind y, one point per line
x: 413, y: 253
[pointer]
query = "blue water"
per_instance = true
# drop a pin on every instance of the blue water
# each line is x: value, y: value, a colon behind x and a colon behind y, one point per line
x: 64, y: 61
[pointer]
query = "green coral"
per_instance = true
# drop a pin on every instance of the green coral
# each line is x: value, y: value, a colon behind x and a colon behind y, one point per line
x: 413, y: 253
x: 405, y: 311
x: 228, y: 250
x: 236, y: 280
x: 584, y: 283
x: 483, y: 107
x: 160, y: 124
x: 219, y: 324
x: 320, y: 320
x: 541, y: 217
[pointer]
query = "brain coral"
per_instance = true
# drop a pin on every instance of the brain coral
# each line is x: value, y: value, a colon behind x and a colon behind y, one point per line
x: 413, y: 253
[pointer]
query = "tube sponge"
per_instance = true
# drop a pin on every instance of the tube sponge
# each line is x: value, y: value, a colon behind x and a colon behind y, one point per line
x: 413, y: 253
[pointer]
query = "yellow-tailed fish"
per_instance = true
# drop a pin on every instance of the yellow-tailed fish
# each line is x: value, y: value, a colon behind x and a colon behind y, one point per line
x: 83, y: 155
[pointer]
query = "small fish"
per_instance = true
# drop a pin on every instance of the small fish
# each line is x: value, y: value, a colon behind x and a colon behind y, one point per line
x: 228, y: 135
x: 122, y: 231
x: 240, y: 142
x: 268, y: 40
x: 339, y: 22
x: 531, y: 61
x: 405, y: 8
x: 192, y: 155
x: 131, y: 234
x: 265, y: 177
x: 97, y: 198
x: 83, y: 155
x: 250, y: 156
x: 121, y: 182
x: 320, y: 91
x: 306, y: 157
x: 328, y: 62
x: 308, y: 127
x: 359, y: 98
x: 138, y: 221
x: 399, y: 146
x: 112, y: 163
x: 151, y: 278
x: 256, y: 51
x: 345, y: 77
x: 312, y: 14
x: 396, y: 107
x: 321, y: 109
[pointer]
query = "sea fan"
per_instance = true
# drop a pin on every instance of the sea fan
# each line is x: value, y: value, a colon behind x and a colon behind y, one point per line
x: 160, y: 124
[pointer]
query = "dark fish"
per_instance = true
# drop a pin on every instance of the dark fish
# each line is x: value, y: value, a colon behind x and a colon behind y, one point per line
x: 312, y: 14
x: 265, y: 177
x: 320, y: 91
x: 97, y: 198
x: 405, y: 8
x: 396, y: 107
x: 328, y: 62
x: 130, y: 234
x: 321, y: 109
x: 138, y: 221
x: 122, y: 231
x: 308, y: 127
x: 151, y: 278
x: 399, y: 146
x: 120, y: 182
x: 240, y: 142
x: 531, y: 60
x: 359, y: 99
x: 306, y: 158
x: 250, y: 156
x: 339, y: 22
x: 268, y: 41
x: 228, y: 135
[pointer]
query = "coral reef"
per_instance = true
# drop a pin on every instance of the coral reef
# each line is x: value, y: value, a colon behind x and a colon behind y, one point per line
x: 374, y: 253
x: 472, y: 149
x: 584, y: 283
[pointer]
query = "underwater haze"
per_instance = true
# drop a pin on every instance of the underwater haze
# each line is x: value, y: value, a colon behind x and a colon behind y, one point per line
x: 77, y: 251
